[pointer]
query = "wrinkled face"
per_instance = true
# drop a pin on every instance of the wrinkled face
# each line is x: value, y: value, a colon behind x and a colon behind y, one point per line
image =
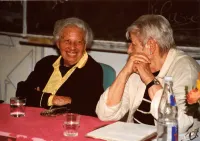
x: 71, y: 44
x: 135, y: 45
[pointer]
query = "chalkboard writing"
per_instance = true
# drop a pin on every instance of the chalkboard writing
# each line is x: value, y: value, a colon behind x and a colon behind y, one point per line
x: 184, y: 17
x: 110, y: 18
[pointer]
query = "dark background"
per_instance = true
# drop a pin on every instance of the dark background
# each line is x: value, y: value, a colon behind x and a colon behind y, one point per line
x: 107, y: 18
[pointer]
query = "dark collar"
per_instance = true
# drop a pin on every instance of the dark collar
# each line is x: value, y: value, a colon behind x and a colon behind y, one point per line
x: 62, y: 63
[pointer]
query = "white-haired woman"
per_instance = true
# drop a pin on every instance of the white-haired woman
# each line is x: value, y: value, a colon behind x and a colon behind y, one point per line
x: 70, y: 78
x: 138, y: 87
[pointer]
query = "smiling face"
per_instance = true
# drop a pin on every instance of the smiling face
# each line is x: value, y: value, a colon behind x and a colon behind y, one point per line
x: 71, y: 44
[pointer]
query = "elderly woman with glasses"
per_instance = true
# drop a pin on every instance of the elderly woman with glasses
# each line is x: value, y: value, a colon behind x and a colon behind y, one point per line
x: 137, y: 90
x: 73, y: 78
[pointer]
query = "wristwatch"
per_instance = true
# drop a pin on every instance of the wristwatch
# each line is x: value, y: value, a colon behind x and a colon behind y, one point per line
x: 153, y: 82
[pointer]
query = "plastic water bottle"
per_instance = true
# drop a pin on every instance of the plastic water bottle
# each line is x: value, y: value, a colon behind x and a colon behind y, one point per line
x: 167, y: 125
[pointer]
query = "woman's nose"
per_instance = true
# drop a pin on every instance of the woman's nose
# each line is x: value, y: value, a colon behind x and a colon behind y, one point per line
x: 73, y: 45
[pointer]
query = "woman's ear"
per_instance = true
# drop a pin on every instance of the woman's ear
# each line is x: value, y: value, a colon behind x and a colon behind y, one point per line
x: 151, y: 44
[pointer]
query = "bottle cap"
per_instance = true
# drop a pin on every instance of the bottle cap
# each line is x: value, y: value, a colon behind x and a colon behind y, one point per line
x: 168, y: 78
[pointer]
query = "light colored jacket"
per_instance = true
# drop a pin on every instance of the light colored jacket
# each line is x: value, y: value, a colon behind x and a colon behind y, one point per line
x: 184, y: 71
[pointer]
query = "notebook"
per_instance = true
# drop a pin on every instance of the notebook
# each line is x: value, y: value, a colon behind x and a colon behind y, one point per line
x: 123, y: 131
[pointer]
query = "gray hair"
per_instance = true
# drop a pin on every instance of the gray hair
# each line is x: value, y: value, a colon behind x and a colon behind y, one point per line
x: 60, y: 24
x: 156, y: 27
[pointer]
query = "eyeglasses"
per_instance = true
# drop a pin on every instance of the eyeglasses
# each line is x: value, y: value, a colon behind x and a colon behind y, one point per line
x: 191, y: 135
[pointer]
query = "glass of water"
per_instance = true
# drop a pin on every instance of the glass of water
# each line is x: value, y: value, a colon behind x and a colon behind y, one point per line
x: 71, y: 124
x: 17, y: 106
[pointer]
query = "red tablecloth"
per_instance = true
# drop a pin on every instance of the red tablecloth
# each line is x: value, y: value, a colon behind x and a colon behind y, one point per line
x: 34, y: 127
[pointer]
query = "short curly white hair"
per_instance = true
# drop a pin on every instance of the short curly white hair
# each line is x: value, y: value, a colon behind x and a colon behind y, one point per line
x: 156, y: 27
x: 60, y: 24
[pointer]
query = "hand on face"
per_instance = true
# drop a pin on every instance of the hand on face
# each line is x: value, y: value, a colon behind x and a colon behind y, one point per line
x: 139, y: 63
x: 133, y: 60
x: 193, y: 96
x: 61, y: 100
x: 143, y: 69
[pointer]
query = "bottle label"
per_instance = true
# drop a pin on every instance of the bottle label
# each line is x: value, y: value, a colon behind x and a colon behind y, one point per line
x: 173, y: 132
x: 172, y: 100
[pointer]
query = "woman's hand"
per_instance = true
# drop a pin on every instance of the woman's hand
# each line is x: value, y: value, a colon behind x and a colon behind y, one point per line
x: 145, y: 72
x: 133, y: 60
x: 193, y: 96
x: 61, y: 100
x: 139, y: 63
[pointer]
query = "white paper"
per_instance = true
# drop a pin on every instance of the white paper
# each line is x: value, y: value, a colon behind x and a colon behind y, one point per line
x: 123, y: 131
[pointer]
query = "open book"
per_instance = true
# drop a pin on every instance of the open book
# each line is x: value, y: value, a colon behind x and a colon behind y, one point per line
x: 123, y: 131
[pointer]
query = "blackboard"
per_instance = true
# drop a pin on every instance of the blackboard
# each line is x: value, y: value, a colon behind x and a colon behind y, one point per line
x: 110, y: 18
x: 11, y: 16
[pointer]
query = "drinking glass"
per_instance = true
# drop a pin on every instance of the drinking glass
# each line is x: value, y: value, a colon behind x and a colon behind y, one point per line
x: 17, y: 106
x: 71, y: 124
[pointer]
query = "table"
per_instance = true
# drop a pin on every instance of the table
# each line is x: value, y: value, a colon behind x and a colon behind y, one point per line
x: 34, y: 127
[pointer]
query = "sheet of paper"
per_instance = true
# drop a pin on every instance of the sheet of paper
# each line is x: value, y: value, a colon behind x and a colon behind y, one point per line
x: 123, y: 131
